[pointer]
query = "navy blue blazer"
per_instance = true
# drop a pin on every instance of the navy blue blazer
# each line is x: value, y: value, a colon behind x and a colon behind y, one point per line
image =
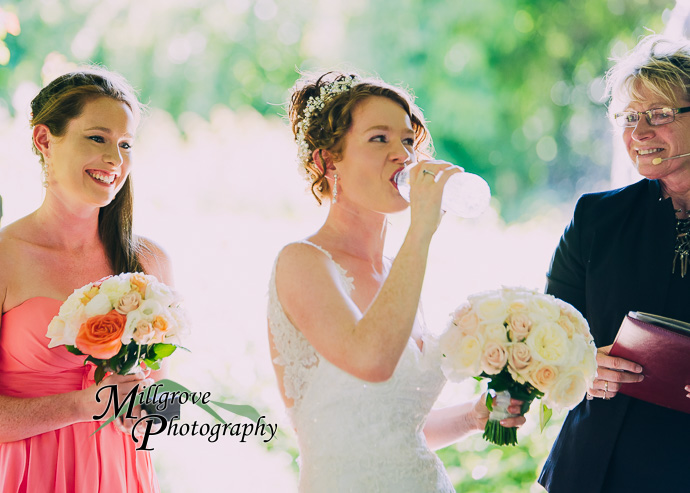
x: 614, y: 257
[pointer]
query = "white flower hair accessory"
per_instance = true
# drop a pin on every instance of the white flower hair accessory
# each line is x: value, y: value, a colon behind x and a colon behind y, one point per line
x: 315, y: 104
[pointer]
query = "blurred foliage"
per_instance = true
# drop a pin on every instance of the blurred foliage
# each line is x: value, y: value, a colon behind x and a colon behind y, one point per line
x: 511, y: 88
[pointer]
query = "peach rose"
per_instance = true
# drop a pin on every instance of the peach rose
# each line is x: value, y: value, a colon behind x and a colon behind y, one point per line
x: 520, y: 357
x: 160, y: 324
x: 494, y: 358
x: 543, y: 377
x: 145, y: 333
x: 519, y: 326
x: 128, y: 302
x: 139, y: 282
x: 468, y: 323
x: 100, y: 335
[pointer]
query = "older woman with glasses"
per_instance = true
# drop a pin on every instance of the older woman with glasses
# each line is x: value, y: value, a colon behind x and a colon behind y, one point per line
x: 625, y: 250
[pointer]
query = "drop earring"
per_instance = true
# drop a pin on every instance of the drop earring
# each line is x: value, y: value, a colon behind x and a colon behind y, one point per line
x: 335, y: 189
x: 44, y: 174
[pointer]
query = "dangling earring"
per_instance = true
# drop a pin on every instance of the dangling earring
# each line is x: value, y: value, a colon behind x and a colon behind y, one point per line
x: 334, y: 199
x: 44, y: 174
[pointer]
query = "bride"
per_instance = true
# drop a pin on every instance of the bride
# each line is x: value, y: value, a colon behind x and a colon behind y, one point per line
x: 355, y: 367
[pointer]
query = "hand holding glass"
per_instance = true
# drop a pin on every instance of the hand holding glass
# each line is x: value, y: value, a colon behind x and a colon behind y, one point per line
x: 465, y: 194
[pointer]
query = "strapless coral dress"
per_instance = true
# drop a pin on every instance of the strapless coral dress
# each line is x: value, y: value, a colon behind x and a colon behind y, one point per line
x: 69, y: 459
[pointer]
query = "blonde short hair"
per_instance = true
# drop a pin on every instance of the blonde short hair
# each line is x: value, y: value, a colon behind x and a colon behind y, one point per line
x: 657, y: 64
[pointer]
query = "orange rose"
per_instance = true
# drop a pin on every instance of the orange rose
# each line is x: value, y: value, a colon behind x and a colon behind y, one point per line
x: 160, y: 324
x: 138, y: 282
x: 100, y: 335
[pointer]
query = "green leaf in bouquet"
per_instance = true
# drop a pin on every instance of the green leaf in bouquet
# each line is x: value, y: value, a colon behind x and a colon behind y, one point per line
x: 152, y: 363
x: 161, y: 350
x: 74, y: 350
x: 489, y: 401
x: 99, y: 374
x: 123, y: 367
x: 544, y: 416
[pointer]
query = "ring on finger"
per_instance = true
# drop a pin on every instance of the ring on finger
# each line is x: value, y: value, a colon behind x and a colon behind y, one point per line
x: 606, y: 389
x: 427, y: 172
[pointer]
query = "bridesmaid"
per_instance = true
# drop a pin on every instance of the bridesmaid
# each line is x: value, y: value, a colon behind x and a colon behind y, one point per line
x: 84, y: 125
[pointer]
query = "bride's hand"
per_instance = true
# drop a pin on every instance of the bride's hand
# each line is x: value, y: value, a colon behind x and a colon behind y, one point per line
x: 427, y: 181
x: 481, y: 413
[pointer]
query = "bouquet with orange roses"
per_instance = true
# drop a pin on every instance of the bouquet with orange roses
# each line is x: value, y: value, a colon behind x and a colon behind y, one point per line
x: 119, y: 323
x: 528, y: 344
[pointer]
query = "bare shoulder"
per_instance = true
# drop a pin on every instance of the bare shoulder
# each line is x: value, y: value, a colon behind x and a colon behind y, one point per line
x: 12, y: 238
x: 302, y: 268
x: 155, y: 260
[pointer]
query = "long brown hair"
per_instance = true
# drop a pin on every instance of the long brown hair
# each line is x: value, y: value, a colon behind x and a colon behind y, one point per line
x: 55, y: 106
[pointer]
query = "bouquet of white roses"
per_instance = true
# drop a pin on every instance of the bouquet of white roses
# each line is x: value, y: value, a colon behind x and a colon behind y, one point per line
x: 120, y: 322
x: 530, y: 345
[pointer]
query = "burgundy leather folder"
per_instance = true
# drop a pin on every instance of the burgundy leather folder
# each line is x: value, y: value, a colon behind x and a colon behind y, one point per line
x: 662, y: 346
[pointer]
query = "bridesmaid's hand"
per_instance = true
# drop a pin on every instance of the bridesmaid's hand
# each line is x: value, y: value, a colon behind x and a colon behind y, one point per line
x: 611, y: 373
x: 481, y: 413
x: 91, y: 407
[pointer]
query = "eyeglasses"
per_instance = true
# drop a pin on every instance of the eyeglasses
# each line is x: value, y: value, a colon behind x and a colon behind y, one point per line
x: 656, y: 116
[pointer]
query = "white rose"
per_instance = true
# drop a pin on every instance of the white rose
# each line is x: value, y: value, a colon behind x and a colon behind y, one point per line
x: 494, y: 358
x: 98, y: 305
x: 133, y: 319
x: 567, y: 392
x: 160, y: 292
x: 463, y: 357
x: 74, y: 318
x: 60, y: 333
x: 491, y: 308
x: 494, y: 331
x: 543, y: 307
x: 115, y: 288
x: 549, y: 343
x: 73, y: 303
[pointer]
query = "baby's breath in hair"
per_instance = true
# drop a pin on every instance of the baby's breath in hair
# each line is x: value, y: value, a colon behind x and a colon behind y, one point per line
x: 314, y: 105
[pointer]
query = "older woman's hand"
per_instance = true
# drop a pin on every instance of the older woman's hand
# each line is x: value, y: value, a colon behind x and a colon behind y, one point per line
x: 611, y: 373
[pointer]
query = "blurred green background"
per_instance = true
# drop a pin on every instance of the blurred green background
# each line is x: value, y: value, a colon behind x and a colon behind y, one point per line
x: 512, y: 90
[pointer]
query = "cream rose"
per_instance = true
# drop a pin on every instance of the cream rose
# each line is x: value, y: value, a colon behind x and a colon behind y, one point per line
x: 494, y: 331
x: 494, y: 357
x: 549, y: 343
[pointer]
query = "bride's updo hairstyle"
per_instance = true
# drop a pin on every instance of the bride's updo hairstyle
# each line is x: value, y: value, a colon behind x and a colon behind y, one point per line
x: 55, y: 106
x: 320, y: 113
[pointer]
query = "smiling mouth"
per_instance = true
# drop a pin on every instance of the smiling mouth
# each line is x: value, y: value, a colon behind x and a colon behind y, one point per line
x: 645, y: 152
x: 102, y: 176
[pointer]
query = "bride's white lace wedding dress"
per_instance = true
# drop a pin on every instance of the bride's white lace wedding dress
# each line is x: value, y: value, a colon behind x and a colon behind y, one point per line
x: 357, y: 436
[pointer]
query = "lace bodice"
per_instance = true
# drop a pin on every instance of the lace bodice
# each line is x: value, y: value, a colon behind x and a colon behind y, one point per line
x: 355, y: 435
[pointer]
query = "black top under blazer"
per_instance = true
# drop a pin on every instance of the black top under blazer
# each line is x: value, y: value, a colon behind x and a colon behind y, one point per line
x: 614, y: 257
